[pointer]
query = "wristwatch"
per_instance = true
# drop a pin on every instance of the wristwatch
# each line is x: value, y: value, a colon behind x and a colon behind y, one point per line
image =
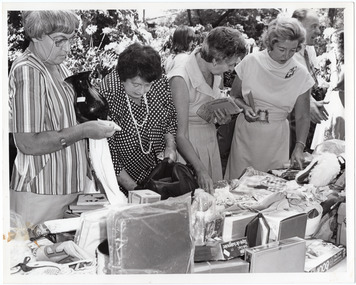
x: 63, y: 143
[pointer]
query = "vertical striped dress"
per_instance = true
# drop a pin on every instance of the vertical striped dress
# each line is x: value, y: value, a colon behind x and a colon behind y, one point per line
x: 37, y: 104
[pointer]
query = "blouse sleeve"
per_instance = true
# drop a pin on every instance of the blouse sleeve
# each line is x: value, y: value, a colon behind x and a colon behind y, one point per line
x: 241, y: 67
x: 115, y: 154
x: 27, y: 100
x: 171, y: 120
x: 309, y: 82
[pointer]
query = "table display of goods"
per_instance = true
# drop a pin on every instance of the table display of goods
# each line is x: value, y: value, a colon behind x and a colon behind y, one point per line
x: 282, y: 220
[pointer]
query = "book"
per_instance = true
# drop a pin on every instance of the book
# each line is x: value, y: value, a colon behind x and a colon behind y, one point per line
x: 92, y: 199
x: 81, y: 208
x: 206, y: 111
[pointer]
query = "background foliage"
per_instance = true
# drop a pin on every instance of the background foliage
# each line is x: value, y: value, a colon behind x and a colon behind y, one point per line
x: 103, y: 34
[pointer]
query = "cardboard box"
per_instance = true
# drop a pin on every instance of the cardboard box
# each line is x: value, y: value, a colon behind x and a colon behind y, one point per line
x: 144, y: 196
x: 286, y: 255
x: 341, y: 225
x: 236, y: 265
x: 321, y: 256
x: 235, y: 226
x: 286, y: 224
x: 220, y: 250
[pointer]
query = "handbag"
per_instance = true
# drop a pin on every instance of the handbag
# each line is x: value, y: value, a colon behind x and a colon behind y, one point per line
x: 170, y: 179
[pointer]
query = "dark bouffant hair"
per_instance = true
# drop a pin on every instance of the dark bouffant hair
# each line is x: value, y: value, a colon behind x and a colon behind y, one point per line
x: 139, y: 60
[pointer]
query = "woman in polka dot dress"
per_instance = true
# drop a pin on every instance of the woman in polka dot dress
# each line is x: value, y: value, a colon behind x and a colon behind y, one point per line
x: 140, y: 102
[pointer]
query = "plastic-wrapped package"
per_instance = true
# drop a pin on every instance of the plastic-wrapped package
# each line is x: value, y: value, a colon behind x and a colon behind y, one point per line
x: 204, y: 215
x: 151, y: 238
x: 17, y: 238
x: 92, y: 230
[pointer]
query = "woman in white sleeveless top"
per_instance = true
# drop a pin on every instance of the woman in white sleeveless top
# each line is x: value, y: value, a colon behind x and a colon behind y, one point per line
x: 276, y: 83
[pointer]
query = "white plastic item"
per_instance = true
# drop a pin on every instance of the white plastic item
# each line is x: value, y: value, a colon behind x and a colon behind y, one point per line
x: 313, y: 223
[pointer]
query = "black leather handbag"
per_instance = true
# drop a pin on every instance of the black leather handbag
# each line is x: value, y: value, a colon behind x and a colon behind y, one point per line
x: 171, y: 179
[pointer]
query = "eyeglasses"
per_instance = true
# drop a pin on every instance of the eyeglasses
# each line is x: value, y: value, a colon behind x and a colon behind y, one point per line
x: 62, y: 42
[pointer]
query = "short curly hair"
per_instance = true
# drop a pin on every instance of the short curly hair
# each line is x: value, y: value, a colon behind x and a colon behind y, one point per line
x: 282, y: 29
x: 139, y: 60
x: 46, y: 22
x: 222, y: 43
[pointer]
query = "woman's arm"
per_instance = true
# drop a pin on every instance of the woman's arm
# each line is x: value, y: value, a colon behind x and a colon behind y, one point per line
x: 181, y: 101
x: 236, y: 93
x: 171, y: 148
x: 51, y: 141
x: 125, y: 180
x: 302, y: 120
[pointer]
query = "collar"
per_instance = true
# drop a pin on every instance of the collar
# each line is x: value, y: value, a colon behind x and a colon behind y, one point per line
x: 197, y: 79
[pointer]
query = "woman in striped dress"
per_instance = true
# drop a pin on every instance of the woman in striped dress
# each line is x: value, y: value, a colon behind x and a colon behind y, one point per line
x: 51, y: 166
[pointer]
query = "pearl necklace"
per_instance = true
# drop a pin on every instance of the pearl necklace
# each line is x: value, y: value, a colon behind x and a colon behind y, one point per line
x: 136, y: 124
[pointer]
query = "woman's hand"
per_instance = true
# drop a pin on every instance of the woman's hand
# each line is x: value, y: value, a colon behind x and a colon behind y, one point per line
x: 222, y: 116
x: 98, y: 129
x: 171, y: 153
x: 250, y: 115
x: 297, y: 157
x: 204, y: 181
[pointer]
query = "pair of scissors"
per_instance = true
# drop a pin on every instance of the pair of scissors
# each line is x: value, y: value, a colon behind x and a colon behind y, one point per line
x: 22, y: 266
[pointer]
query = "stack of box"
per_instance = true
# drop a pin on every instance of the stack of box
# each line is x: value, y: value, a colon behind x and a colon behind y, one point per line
x: 143, y: 196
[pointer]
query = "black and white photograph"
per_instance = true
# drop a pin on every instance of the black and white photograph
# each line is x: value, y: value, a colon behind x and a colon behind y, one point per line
x: 177, y: 142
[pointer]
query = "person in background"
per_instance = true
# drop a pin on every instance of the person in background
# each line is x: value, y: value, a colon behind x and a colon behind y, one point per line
x: 307, y: 56
x: 267, y: 87
x: 334, y: 126
x: 182, y: 43
x: 140, y: 102
x: 51, y: 167
x: 194, y: 81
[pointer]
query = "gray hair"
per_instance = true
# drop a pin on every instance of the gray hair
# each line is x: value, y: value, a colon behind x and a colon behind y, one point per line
x: 45, y: 22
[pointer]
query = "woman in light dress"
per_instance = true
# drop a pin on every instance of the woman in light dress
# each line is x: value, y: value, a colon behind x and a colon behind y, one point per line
x: 273, y: 81
x: 195, y: 81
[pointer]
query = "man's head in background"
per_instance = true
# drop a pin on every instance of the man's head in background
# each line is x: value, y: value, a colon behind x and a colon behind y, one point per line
x: 310, y: 22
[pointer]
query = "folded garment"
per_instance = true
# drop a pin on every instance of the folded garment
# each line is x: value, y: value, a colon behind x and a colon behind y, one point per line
x: 104, y: 170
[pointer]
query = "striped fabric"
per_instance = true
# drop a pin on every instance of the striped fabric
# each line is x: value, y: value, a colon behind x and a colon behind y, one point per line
x: 37, y: 104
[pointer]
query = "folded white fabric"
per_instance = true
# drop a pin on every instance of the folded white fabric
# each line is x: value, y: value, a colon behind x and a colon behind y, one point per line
x: 104, y: 169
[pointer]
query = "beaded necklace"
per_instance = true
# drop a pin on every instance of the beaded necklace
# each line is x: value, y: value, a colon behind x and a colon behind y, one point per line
x: 136, y: 124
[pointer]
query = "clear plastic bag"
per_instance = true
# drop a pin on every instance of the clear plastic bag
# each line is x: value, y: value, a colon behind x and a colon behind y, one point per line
x: 151, y: 238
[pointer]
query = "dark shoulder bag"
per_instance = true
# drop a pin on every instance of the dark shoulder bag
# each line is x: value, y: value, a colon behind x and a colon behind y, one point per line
x: 171, y: 179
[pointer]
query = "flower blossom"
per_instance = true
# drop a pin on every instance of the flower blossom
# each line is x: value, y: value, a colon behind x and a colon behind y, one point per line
x: 107, y: 30
x: 91, y: 29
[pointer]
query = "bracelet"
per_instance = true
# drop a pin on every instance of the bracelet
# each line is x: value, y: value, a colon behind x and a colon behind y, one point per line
x: 64, y: 143
x: 303, y: 144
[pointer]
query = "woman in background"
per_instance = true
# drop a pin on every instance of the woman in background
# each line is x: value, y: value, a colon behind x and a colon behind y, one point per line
x: 270, y: 80
x: 195, y: 81
x: 51, y: 167
x: 182, y: 44
x: 140, y: 102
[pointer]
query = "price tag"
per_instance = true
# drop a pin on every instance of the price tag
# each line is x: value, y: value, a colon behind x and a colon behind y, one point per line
x: 81, y: 99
